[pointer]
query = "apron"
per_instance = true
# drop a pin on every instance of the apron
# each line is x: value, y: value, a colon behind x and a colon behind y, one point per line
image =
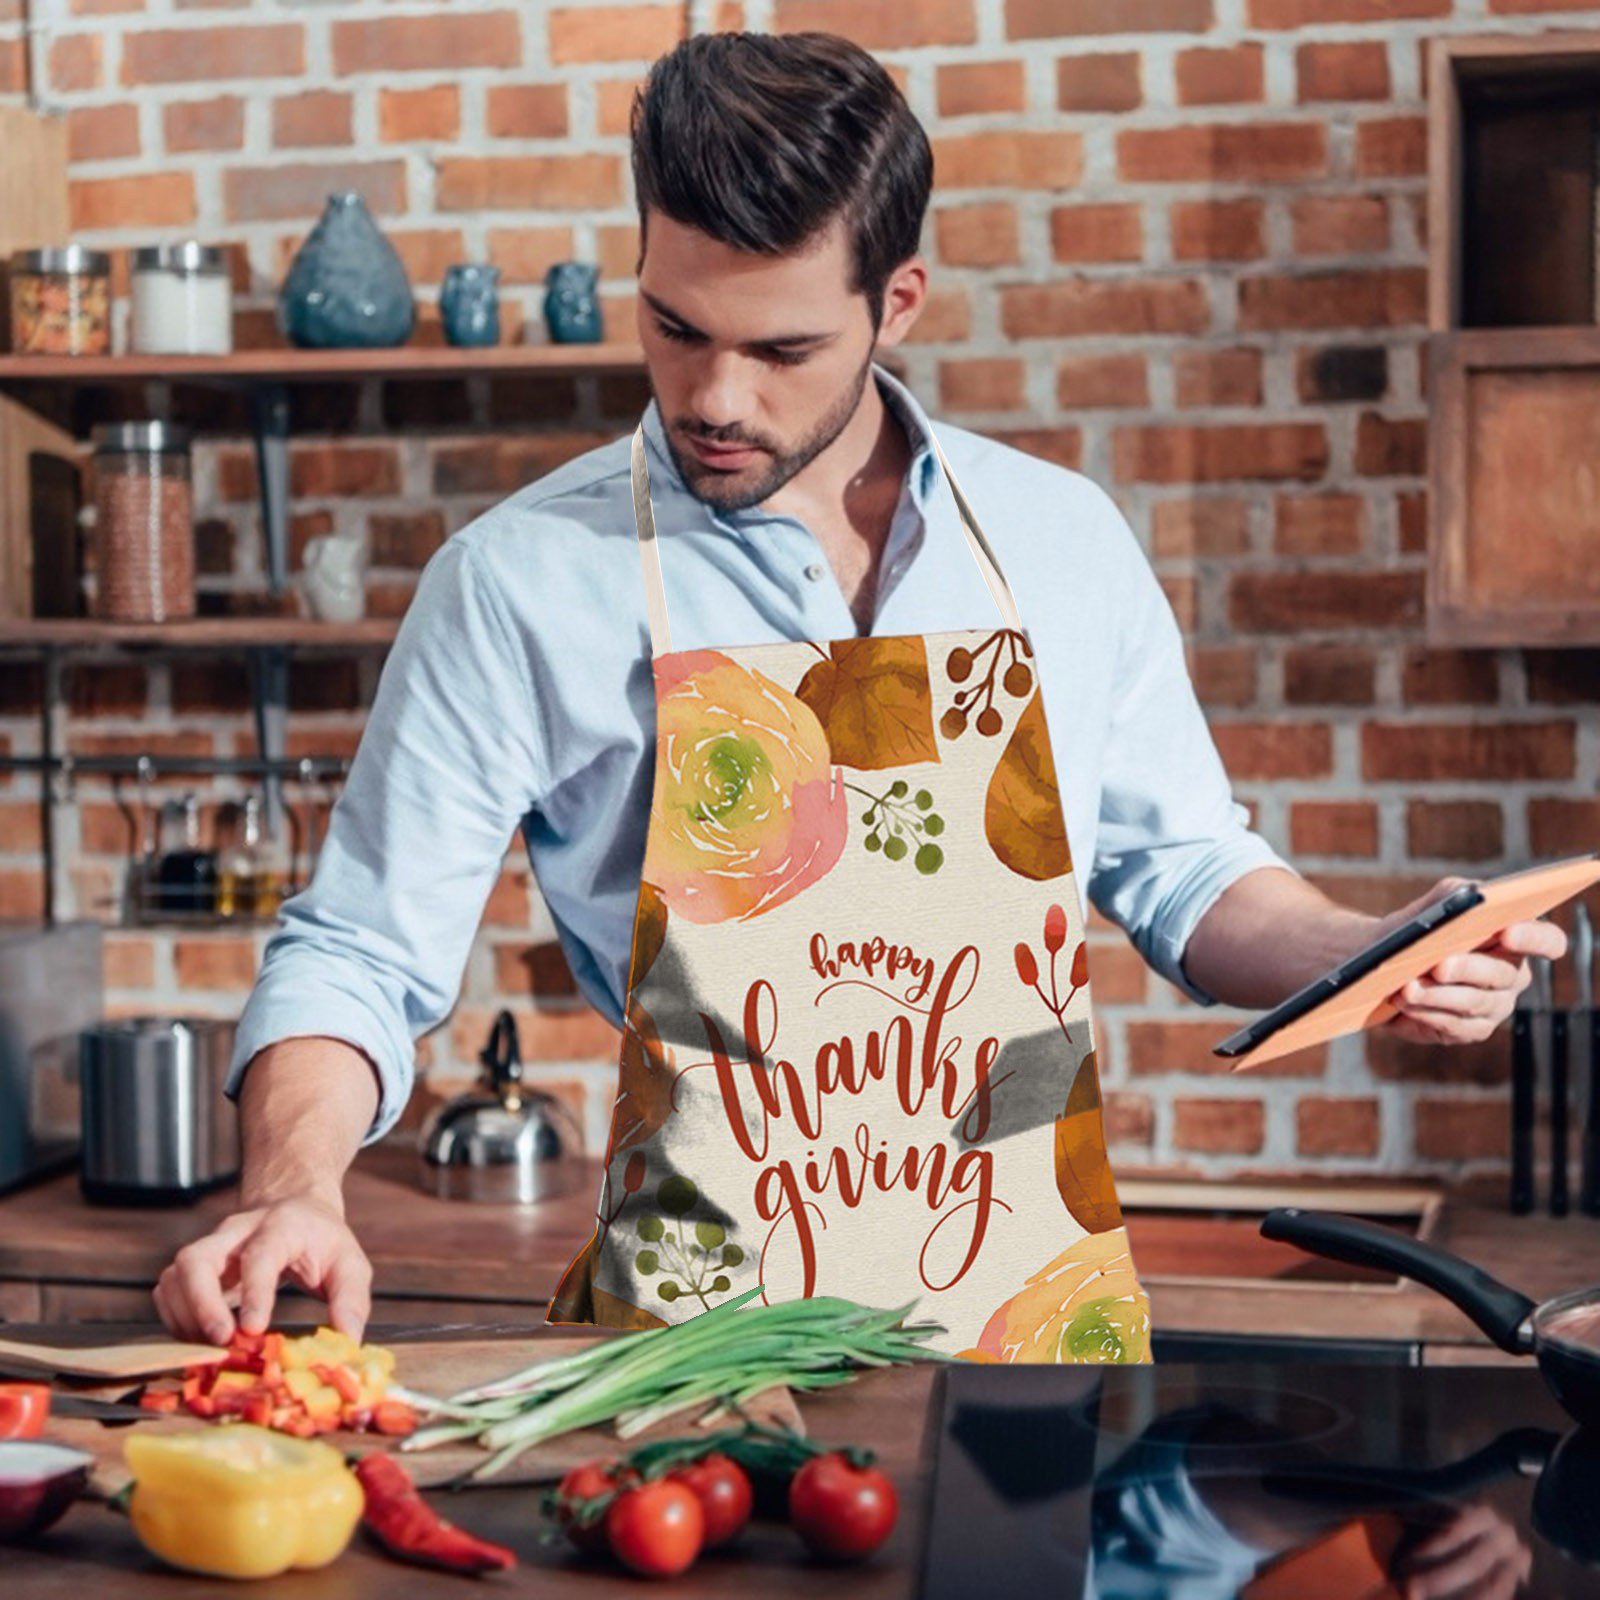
x: 858, y: 1056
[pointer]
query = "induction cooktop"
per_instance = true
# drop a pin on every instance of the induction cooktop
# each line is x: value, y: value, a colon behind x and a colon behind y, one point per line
x: 1269, y: 1481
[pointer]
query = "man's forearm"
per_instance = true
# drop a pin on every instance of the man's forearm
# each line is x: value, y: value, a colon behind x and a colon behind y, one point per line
x: 304, y: 1107
x: 1267, y: 935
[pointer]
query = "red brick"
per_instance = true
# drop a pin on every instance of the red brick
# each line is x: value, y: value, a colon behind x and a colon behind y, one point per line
x: 1234, y: 1126
x: 525, y: 254
x: 1266, y: 751
x: 74, y: 62
x: 318, y: 117
x: 1395, y: 1060
x: 426, y: 253
x: 1520, y: 8
x: 301, y: 189
x: 1105, y: 232
x: 324, y: 471
x: 1218, y: 230
x: 21, y: 894
x: 970, y: 88
x: 982, y: 383
x: 617, y: 249
x: 1057, y: 19
x: 1336, y: 1125
x: 208, y: 687
x: 405, y: 115
x: 1392, y: 147
x: 1010, y: 159
x: 130, y: 961
x: 107, y: 690
x: 621, y: 33
x: 406, y: 539
x: 443, y: 43
x: 1106, y: 82
x: 980, y: 235
x: 1429, y: 751
x: 1328, y: 524
x: 1182, y: 590
x: 21, y: 829
x: 1333, y: 828
x: 1382, y: 297
x: 1411, y: 517
x: 527, y: 111
x: 1190, y: 527
x: 216, y: 124
x: 881, y: 27
x: 1291, y: 602
x: 13, y: 67
x: 613, y: 105
x: 102, y: 133
x: 946, y: 315
x: 1460, y: 1130
x: 1457, y: 830
x: 1355, y: 69
x: 1329, y: 675
x: 539, y: 970
x: 1120, y: 976
x: 217, y: 962
x: 1155, y: 1048
x: 195, y: 55
x: 1562, y: 677
x: 1214, y: 77
x: 1391, y: 446
x: 576, y: 1035
x: 1308, y: 13
x: 1064, y: 446
x: 1253, y: 152
x: 1449, y: 678
x: 516, y: 183
x: 1341, y: 374
x: 1339, y: 224
x: 1559, y: 827
x: 1223, y: 674
x: 1096, y: 307
x: 1211, y: 377
x: 1101, y: 382
x: 498, y: 466
x: 1162, y: 454
x: 1129, y: 1118
x: 156, y: 200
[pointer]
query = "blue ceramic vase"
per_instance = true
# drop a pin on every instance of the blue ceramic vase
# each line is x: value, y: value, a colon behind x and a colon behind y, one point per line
x: 346, y: 287
x: 571, y: 309
x: 469, y: 304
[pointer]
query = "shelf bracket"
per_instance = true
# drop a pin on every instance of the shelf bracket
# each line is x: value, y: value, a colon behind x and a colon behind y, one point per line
x: 269, y: 689
x: 270, y: 406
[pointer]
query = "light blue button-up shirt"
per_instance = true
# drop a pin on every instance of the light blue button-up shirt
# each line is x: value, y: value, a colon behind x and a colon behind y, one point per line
x: 518, y: 694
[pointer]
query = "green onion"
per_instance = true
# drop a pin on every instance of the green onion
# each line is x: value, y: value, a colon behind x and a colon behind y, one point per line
x: 727, y: 1355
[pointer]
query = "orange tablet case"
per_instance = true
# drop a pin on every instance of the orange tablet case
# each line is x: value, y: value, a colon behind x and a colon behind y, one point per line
x: 1515, y: 897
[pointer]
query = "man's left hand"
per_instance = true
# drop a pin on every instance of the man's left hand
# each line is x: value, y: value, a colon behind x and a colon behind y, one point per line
x: 1467, y: 996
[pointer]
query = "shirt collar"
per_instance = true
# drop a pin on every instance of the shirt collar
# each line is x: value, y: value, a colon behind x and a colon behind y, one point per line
x: 921, y: 475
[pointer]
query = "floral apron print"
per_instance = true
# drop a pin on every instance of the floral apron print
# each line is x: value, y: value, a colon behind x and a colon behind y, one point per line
x: 858, y: 1056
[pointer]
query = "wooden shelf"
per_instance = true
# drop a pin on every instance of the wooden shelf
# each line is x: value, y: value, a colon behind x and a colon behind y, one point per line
x: 202, y: 633
x: 318, y: 366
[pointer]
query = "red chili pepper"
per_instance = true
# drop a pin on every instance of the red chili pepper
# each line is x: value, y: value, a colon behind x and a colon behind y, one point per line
x: 411, y: 1530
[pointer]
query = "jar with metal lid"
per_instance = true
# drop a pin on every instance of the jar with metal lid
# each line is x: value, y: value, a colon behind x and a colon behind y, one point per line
x: 61, y: 302
x: 182, y: 300
x: 144, y: 523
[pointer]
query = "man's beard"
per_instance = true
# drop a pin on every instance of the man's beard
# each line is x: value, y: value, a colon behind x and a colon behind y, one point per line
x: 725, y: 491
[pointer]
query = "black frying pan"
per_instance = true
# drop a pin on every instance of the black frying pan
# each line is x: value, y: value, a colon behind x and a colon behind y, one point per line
x: 1569, y: 1360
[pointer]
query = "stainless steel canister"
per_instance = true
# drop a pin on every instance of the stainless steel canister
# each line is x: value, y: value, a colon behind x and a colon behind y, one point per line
x: 157, y: 1128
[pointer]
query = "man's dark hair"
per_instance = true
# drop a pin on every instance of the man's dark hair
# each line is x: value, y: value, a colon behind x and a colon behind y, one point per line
x: 761, y: 139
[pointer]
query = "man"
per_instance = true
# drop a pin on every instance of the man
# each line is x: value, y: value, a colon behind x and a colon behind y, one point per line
x: 782, y: 184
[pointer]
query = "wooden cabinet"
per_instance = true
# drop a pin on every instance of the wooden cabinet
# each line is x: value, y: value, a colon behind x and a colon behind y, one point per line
x: 1514, y: 346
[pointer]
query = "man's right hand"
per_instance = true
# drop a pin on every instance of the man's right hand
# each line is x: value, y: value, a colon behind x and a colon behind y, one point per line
x: 241, y: 1262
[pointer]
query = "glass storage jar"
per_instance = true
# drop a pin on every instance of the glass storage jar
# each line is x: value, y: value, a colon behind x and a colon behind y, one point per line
x: 182, y: 300
x: 144, y: 523
x: 61, y: 302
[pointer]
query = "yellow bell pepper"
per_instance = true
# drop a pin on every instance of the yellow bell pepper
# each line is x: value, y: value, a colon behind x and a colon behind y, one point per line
x: 238, y: 1501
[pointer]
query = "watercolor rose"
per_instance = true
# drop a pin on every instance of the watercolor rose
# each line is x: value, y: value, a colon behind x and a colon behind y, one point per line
x: 1086, y: 1305
x: 750, y: 809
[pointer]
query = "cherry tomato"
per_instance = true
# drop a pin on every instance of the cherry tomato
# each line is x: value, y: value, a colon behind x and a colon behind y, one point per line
x: 585, y: 1482
x: 720, y: 1485
x: 24, y: 1409
x: 656, y: 1528
x: 840, y: 1509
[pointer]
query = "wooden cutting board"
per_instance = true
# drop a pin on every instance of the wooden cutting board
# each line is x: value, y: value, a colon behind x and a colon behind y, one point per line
x: 439, y: 1368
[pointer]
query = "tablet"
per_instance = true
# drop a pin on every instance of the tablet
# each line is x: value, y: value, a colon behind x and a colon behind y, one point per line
x: 1355, y: 994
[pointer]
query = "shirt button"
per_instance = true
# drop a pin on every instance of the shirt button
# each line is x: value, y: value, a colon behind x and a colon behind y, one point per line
x: 814, y: 571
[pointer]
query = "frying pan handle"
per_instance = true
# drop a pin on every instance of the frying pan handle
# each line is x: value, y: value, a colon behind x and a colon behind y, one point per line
x: 1499, y: 1310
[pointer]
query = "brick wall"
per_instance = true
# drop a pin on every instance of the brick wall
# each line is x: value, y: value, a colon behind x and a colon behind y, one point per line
x: 1179, y: 244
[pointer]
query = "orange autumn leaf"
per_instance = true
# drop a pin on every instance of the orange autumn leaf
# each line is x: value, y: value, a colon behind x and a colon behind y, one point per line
x: 612, y: 1311
x: 1083, y: 1173
x: 1022, y: 813
x: 874, y: 701
x: 645, y: 1072
x: 649, y: 930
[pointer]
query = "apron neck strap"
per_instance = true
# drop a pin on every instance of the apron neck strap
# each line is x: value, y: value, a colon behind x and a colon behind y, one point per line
x: 650, y: 553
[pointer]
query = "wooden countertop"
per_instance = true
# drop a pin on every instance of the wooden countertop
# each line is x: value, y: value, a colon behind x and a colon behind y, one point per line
x: 511, y: 1256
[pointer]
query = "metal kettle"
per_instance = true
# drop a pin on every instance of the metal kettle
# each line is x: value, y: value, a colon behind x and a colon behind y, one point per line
x: 502, y: 1141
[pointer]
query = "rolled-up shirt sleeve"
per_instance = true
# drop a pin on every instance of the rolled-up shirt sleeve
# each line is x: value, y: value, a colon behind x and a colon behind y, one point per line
x: 452, y: 758
x: 1171, y: 835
